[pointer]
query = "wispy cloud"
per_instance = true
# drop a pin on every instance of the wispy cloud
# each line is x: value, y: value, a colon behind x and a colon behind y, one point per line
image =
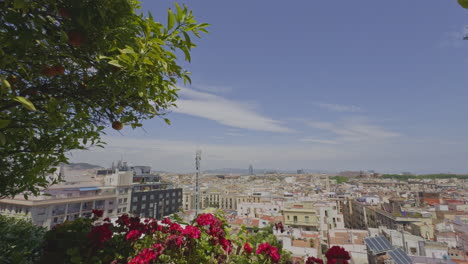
x: 227, y: 112
x: 340, y: 108
x: 354, y: 130
x: 234, y: 134
x: 319, y: 141
x: 452, y: 39
x: 213, y: 88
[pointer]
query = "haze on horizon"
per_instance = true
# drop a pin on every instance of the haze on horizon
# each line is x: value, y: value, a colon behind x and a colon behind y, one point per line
x: 323, y: 85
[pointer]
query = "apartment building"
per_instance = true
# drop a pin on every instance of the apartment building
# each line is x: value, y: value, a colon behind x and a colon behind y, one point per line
x: 151, y: 197
x: 302, y: 215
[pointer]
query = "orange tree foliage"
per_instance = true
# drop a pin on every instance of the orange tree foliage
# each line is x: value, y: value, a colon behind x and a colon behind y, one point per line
x: 69, y: 68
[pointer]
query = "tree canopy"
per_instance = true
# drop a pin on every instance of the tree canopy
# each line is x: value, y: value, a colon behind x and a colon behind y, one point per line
x: 71, y: 68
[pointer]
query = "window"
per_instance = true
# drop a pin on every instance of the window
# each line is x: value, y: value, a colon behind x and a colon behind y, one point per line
x: 306, y: 218
x: 143, y: 198
x: 125, y: 200
x: 143, y: 206
x: 288, y: 217
x: 124, y: 209
x: 55, y: 219
x: 111, y: 202
x: 295, y: 219
x: 152, y: 197
x: 120, y: 200
x: 135, y: 199
x: 134, y: 208
x: 167, y: 195
x: 110, y: 211
x: 118, y: 211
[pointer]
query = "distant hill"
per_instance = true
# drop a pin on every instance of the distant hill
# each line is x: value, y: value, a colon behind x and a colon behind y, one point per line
x: 83, y: 166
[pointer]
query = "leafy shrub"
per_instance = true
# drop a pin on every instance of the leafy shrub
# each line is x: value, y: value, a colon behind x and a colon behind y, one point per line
x: 20, y: 241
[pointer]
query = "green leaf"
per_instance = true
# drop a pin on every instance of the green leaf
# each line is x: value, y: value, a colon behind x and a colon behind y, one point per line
x: 115, y: 63
x: 26, y: 103
x: 2, y: 139
x: 188, y: 42
x: 170, y: 19
x: 4, y: 123
x: 6, y: 84
x: 127, y: 50
x: 167, y: 121
x: 19, y: 4
x: 180, y: 13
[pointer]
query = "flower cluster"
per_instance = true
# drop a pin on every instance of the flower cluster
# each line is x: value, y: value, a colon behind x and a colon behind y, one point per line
x: 312, y: 260
x: 129, y: 240
x: 337, y: 254
x: 269, y: 250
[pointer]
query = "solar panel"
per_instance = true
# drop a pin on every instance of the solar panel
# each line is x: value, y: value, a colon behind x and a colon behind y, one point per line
x: 399, y: 256
x: 378, y: 244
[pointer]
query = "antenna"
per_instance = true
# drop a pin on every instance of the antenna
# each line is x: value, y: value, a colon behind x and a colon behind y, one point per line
x: 197, y: 175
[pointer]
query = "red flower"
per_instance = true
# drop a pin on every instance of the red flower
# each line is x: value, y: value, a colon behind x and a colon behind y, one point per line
x: 191, y: 231
x: 226, y: 244
x: 100, y: 234
x: 175, y: 228
x: 166, y: 221
x: 216, y: 232
x: 175, y: 240
x: 207, y: 219
x: 123, y: 220
x: 106, y: 219
x: 145, y: 256
x: 337, y: 252
x: 98, y: 213
x: 269, y: 250
x: 133, y: 235
x: 312, y: 260
x: 247, y: 248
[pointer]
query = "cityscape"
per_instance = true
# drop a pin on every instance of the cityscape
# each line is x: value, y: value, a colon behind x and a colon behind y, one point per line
x: 377, y: 218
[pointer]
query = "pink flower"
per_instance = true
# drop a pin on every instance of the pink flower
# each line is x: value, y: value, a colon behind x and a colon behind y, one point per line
x: 98, y: 213
x: 226, y: 244
x: 145, y: 256
x: 247, y: 248
x: 133, y: 235
x: 191, y: 231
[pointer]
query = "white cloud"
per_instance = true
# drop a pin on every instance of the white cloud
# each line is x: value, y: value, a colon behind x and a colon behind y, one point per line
x: 224, y: 111
x: 340, y: 108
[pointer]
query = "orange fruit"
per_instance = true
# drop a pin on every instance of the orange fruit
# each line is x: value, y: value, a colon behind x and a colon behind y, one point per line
x: 117, y: 125
x: 463, y: 3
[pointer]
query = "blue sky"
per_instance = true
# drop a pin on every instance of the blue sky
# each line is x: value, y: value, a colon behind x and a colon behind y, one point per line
x: 319, y: 84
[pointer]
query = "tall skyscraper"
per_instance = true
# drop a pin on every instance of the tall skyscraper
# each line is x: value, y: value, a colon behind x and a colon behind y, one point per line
x: 251, y: 172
